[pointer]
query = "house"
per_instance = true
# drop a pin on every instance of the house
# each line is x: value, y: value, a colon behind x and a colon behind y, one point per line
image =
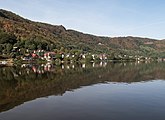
x: 93, y: 57
x: 27, y: 57
x: 49, y: 56
x: 38, y: 54
x: 163, y: 59
x: 15, y: 49
x: 102, y: 57
x: 34, y: 55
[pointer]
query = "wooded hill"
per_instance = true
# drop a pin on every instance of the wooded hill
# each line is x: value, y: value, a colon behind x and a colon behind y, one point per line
x: 24, y: 33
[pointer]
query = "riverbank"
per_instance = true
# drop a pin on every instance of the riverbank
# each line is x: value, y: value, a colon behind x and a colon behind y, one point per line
x: 6, y: 62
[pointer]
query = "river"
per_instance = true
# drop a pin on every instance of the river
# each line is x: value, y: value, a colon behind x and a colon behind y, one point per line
x: 95, y: 91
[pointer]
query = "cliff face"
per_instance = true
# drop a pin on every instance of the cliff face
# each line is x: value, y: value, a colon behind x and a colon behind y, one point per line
x: 25, y: 29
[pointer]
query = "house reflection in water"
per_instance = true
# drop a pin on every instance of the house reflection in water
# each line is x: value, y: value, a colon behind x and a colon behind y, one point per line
x: 19, y: 84
x: 42, y: 68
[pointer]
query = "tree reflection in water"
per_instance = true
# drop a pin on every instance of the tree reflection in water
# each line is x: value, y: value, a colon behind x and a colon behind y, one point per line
x: 19, y: 84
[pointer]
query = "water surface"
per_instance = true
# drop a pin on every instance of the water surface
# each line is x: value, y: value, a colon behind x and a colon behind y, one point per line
x: 100, y: 91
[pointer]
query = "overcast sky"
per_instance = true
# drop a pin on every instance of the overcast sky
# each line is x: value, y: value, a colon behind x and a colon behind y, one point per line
x: 144, y: 18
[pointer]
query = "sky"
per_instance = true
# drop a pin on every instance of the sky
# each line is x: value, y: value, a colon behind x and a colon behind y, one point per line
x: 113, y: 18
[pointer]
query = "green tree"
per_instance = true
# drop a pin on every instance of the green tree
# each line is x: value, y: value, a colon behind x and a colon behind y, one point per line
x: 1, y: 48
x: 32, y: 47
x: 7, y: 38
x: 9, y: 47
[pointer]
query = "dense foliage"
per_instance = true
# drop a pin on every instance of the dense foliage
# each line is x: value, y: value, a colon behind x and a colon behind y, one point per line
x: 25, y: 34
x: 6, y: 42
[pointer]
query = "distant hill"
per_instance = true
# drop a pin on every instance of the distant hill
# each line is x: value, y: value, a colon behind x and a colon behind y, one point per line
x: 43, y: 34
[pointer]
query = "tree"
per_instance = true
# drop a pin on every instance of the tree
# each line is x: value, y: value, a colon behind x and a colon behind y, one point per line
x: 32, y: 47
x: 7, y: 38
x: 1, y: 48
x: 9, y: 47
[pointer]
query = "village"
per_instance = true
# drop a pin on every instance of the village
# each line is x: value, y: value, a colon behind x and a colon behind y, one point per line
x: 42, y: 56
x: 50, y: 56
x: 58, y: 57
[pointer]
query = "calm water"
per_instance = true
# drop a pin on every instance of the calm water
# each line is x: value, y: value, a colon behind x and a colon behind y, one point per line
x: 100, y: 91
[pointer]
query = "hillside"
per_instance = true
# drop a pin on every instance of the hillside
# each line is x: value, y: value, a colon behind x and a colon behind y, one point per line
x: 35, y: 35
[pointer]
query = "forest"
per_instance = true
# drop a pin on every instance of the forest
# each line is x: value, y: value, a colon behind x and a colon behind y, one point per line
x: 17, y: 32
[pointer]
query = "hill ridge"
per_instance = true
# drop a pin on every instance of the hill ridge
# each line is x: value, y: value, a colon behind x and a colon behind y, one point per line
x: 58, y: 36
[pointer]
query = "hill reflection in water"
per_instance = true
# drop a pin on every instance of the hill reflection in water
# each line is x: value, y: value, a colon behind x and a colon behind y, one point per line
x: 19, y: 84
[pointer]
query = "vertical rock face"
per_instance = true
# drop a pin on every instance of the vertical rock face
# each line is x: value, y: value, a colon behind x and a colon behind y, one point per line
x: 25, y: 29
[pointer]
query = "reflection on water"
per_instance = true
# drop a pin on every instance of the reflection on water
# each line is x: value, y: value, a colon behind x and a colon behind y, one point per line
x: 19, y: 84
x: 42, y: 68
